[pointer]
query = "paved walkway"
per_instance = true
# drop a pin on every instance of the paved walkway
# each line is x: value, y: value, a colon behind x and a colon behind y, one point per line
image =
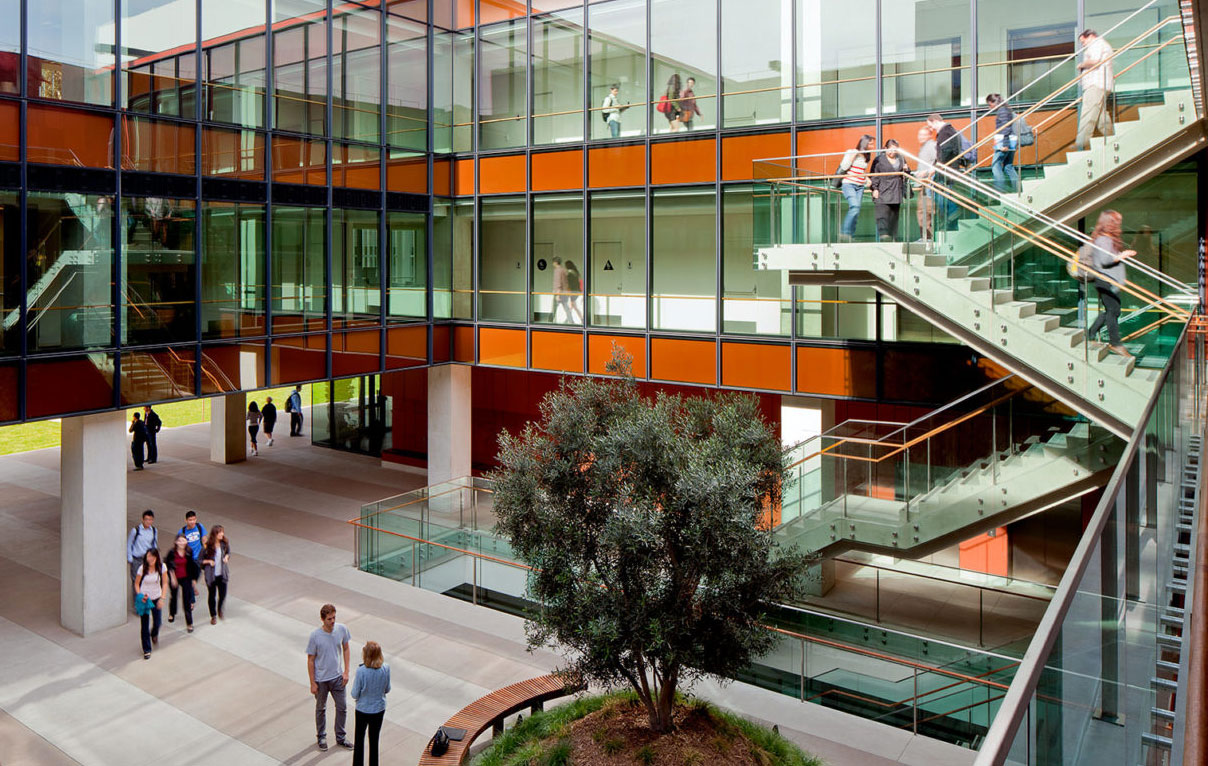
x: 236, y: 693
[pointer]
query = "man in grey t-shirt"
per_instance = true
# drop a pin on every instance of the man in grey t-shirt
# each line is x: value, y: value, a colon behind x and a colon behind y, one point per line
x: 327, y: 645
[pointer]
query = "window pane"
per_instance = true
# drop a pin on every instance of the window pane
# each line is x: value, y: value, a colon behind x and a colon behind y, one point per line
x: 10, y: 53
x: 407, y: 269
x: 71, y: 50
x: 618, y: 259
x: 501, y: 259
x: 232, y: 270
x: 356, y: 294
x: 558, y: 77
x: 684, y: 291
x: 356, y: 73
x: 502, y: 95
x: 10, y: 272
x: 836, y: 58
x: 232, y: 47
x: 453, y: 101
x: 158, y: 146
x: 452, y: 250
x: 299, y: 290
x: 756, y: 56
x: 232, y: 153
x: 159, y: 273
x: 683, y: 64
x: 618, y: 57
x: 558, y: 259
x: 300, y: 66
x: 407, y: 102
x: 1020, y: 43
x: 1163, y: 69
x: 752, y: 301
x: 847, y: 313
x: 925, y: 55
x: 159, y: 56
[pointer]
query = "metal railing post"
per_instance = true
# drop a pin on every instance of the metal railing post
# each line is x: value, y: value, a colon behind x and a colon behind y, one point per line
x: 803, y: 670
x: 915, y: 703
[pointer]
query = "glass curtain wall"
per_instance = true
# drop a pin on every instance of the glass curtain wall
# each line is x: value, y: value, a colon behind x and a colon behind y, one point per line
x: 10, y: 272
x: 502, y: 85
x: 299, y: 280
x: 233, y: 61
x: 557, y: 262
x: 1164, y: 69
x: 407, y: 267
x: 356, y: 72
x: 159, y: 274
x: 232, y: 270
x: 756, y: 62
x: 453, y: 99
x: 159, y: 59
x: 683, y: 65
x: 1017, y: 44
x: 756, y: 302
x: 617, y: 259
x: 407, y: 81
x: 836, y: 59
x: 617, y: 35
x: 925, y: 55
x: 71, y: 46
x: 683, y: 294
x: 10, y: 51
x: 501, y: 248
x: 558, y: 77
x: 300, y: 66
x: 356, y: 295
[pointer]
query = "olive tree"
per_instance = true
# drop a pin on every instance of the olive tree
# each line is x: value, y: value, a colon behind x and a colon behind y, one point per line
x: 645, y: 522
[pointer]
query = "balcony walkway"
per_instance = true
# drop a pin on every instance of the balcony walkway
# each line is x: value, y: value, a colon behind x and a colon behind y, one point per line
x: 236, y: 693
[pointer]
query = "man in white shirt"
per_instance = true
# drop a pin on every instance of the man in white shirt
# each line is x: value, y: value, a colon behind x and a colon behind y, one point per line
x: 611, y: 109
x: 925, y: 208
x: 1097, y: 80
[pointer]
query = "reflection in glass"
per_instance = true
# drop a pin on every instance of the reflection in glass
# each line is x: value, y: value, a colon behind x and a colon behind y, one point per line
x: 617, y: 259
x: 10, y: 55
x: 232, y: 270
x: 683, y: 65
x: 233, y: 153
x: 232, y: 61
x: 618, y: 57
x: 557, y: 263
x: 836, y: 63
x: 925, y: 55
x: 159, y: 56
x: 453, y: 96
x: 300, y: 66
x: 157, y: 375
x: 158, y: 270
x: 407, y: 87
x: 356, y: 73
x: 1017, y: 45
x: 558, y: 77
x: 684, y: 288
x: 70, y: 50
x: 756, y: 61
x: 356, y: 295
x: 69, y: 271
x: 752, y: 301
x: 407, y: 268
x: 158, y: 146
x: 10, y: 272
x: 453, y: 260
x: 501, y: 258
x: 299, y: 287
x: 502, y: 91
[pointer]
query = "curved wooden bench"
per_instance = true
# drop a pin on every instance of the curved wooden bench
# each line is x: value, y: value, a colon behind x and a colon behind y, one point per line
x: 492, y: 709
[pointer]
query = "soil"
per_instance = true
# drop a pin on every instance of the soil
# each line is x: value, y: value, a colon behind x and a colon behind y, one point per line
x: 618, y: 734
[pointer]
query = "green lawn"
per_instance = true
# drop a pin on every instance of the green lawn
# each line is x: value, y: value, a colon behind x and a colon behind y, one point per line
x: 45, y: 433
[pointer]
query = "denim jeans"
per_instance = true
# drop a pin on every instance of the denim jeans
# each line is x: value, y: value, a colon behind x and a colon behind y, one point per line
x: 614, y: 128
x: 1006, y: 179
x: 149, y: 627
x: 334, y: 687
x: 854, y: 195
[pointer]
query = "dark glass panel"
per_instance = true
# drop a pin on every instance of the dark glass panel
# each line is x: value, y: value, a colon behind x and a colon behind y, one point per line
x: 232, y: 270
x: 159, y: 270
x: 299, y: 283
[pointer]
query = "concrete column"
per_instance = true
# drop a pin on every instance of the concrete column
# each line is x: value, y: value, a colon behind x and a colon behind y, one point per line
x: 228, y: 428
x: 94, y: 581
x: 449, y: 431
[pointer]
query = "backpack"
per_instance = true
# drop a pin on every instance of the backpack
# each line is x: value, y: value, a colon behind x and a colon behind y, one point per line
x: 289, y: 403
x: 663, y: 106
x: 1024, y: 131
x: 968, y: 155
x: 440, y: 743
x: 154, y: 535
x: 1084, y: 266
x: 604, y: 117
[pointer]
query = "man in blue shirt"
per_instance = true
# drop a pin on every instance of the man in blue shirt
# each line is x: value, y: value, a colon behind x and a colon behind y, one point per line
x: 141, y: 539
x: 323, y: 655
x: 194, y: 532
x: 293, y: 405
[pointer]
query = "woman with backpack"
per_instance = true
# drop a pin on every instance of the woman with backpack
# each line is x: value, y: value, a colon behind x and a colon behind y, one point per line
x: 1108, y: 256
x: 149, y: 598
x: 215, y: 562
x: 1006, y: 141
x: 854, y: 173
x: 183, y: 571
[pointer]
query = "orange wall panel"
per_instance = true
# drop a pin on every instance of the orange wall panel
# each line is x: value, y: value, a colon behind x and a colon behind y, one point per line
x: 683, y: 162
x: 501, y: 10
x: 686, y: 361
x: 463, y: 178
x: 502, y: 347
x: 58, y: 136
x: 463, y: 344
x: 616, y: 166
x: 989, y: 553
x: 10, y: 146
x: 756, y: 365
x: 554, y: 171
x: 497, y: 175
x: 557, y: 351
x: 442, y: 178
x: 599, y: 351
x: 409, y: 174
x: 738, y: 153
x: 836, y: 372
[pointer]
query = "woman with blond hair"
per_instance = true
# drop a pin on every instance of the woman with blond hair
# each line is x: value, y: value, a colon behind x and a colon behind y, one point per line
x: 369, y: 689
x: 1108, y: 253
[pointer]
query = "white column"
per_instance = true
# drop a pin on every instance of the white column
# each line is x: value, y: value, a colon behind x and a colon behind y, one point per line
x: 228, y: 431
x: 94, y: 581
x: 449, y: 422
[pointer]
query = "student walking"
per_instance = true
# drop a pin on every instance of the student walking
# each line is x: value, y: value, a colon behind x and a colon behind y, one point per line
x: 574, y: 285
x: 293, y: 405
x: 149, y: 585
x: 687, y: 104
x: 269, y: 418
x: 1006, y: 141
x: 611, y: 109
x: 854, y: 170
x: 1097, y: 81
x: 947, y: 152
x: 141, y: 539
x: 152, y: 423
x: 139, y: 442
x: 326, y: 651
x: 369, y: 689
x: 888, y: 184
x: 194, y: 532
x: 1108, y: 257
x: 925, y: 207
x: 669, y: 103
x: 559, y: 290
x: 183, y: 572
x: 253, y: 425
x: 216, y: 563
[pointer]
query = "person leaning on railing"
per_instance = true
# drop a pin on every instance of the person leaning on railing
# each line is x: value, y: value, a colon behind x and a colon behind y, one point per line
x: 854, y: 172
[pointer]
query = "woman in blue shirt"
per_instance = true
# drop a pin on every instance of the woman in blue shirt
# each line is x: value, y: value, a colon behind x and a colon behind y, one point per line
x: 369, y: 689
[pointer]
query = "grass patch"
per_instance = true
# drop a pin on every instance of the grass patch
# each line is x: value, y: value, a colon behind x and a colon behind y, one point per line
x: 778, y: 749
x: 516, y: 745
x: 644, y: 755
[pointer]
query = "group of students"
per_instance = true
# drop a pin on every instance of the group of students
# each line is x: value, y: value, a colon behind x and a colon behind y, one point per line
x: 193, y: 554
x: 677, y: 104
x: 266, y: 418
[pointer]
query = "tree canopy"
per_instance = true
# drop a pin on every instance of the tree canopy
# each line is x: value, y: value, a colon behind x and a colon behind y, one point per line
x: 644, y: 520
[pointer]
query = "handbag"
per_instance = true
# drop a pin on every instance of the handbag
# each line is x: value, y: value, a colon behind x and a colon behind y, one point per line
x: 440, y: 743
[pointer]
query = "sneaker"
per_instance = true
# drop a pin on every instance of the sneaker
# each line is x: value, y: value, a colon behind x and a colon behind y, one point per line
x: 323, y: 745
x: 344, y: 744
x: 138, y: 468
x: 270, y: 442
x: 255, y: 451
x: 146, y: 655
